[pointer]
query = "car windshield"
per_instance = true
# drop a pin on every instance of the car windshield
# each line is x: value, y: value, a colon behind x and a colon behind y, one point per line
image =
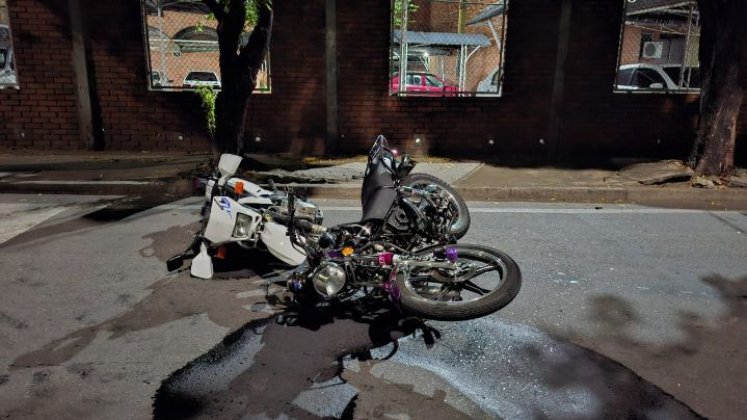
x: 623, y: 76
x: 645, y: 77
x: 690, y: 76
x: 432, y: 81
x: 414, y: 79
x: 202, y: 77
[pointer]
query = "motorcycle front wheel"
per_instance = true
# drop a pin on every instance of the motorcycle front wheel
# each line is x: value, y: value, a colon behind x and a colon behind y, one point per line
x: 460, y: 226
x: 483, y: 281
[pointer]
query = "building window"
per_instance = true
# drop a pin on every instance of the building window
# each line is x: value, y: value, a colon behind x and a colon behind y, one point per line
x: 659, y: 47
x: 451, y: 48
x: 8, y: 76
x: 182, y: 47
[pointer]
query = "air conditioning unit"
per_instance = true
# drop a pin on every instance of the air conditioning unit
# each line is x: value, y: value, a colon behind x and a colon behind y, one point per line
x: 652, y: 49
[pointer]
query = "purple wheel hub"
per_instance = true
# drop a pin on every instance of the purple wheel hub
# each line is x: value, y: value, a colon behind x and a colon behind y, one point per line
x: 451, y: 254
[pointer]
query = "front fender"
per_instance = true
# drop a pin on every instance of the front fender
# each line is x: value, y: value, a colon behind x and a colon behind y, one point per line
x: 275, y: 237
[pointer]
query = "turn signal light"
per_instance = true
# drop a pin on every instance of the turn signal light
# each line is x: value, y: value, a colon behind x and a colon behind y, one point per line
x: 220, y: 253
x: 347, y: 251
x: 238, y: 188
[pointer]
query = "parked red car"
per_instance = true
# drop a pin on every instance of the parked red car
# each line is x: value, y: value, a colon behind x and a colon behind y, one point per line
x: 424, y: 83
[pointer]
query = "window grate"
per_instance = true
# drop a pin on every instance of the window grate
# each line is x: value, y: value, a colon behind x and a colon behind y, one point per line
x: 451, y: 48
x: 182, y: 47
x: 659, y: 47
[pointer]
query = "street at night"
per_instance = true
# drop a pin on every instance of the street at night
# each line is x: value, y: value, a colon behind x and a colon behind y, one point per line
x: 624, y: 311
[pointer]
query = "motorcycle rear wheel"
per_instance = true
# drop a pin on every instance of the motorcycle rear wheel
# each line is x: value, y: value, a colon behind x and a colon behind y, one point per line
x: 485, y: 281
x: 461, y: 225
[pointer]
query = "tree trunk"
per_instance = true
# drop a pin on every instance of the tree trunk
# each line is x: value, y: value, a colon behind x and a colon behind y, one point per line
x: 239, y: 66
x: 722, y: 45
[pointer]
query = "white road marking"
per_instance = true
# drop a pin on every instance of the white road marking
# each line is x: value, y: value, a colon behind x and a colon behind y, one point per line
x: 19, y: 221
x: 566, y: 210
x: 518, y: 210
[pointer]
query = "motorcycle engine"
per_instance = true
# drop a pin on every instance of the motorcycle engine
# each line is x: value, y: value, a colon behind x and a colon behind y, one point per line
x: 399, y: 221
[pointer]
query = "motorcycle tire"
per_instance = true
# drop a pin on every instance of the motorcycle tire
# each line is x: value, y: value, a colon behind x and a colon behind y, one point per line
x: 460, y: 227
x: 421, y: 293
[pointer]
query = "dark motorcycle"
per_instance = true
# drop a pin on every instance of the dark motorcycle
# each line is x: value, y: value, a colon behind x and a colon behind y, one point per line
x: 404, y: 249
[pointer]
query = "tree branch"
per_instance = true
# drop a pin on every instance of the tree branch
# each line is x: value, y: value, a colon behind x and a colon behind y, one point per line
x: 217, y: 9
x: 253, y: 53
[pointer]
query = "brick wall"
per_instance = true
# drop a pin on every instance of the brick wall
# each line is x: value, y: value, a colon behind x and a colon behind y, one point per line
x: 516, y: 122
x: 293, y: 117
x: 42, y: 114
x: 134, y: 118
x: 594, y: 120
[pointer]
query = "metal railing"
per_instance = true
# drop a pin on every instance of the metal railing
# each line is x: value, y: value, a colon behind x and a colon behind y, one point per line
x: 182, y: 46
x: 447, y: 47
x: 659, y: 47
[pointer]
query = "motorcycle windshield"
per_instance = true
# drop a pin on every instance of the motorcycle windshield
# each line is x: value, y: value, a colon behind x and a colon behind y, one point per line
x: 377, y: 195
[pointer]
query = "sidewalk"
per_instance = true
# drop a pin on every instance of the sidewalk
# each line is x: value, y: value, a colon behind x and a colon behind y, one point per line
x: 171, y: 175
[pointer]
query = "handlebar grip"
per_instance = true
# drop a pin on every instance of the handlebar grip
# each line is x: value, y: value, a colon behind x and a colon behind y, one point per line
x: 309, y: 227
x: 300, y: 224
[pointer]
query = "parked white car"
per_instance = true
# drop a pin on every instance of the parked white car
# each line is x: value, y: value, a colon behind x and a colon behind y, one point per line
x: 201, y: 78
x: 643, y: 76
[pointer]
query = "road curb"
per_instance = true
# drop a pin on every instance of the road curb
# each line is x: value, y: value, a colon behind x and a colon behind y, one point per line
x: 179, y: 187
x: 73, y: 163
x: 693, y: 198
x: 729, y: 199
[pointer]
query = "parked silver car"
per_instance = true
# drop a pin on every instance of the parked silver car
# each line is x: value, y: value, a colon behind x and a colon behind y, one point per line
x: 642, y: 76
x: 201, y: 78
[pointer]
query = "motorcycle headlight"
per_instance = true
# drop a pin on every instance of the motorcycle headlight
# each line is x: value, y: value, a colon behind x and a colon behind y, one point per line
x: 243, y: 225
x: 329, y: 279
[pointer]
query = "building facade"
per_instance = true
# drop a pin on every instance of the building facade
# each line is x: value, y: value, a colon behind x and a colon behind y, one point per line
x: 559, y: 66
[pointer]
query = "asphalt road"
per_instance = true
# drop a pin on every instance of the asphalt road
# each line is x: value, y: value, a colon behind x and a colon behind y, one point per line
x: 624, y: 311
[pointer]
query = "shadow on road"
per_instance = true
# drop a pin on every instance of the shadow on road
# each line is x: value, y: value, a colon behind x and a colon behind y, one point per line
x: 233, y: 297
x: 291, y: 363
x: 264, y: 367
x: 707, y: 368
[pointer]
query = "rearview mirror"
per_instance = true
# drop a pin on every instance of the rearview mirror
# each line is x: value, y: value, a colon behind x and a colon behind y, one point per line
x: 227, y: 165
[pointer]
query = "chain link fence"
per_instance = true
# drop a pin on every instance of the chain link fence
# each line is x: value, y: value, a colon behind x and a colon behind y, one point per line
x: 447, y: 47
x: 659, y: 47
x: 182, y: 46
x: 7, y: 62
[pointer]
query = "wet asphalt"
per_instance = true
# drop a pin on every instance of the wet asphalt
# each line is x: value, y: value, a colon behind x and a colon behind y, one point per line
x: 494, y: 369
x: 271, y: 359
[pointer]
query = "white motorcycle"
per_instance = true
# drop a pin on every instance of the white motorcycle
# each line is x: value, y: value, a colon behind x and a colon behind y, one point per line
x: 233, y: 214
x: 237, y: 211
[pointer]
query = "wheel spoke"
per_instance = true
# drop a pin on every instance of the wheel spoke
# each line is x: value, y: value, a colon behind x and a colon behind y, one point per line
x: 475, y: 271
x: 472, y: 287
x: 439, y: 295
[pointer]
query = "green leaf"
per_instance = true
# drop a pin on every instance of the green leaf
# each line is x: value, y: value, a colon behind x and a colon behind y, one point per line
x: 208, y: 96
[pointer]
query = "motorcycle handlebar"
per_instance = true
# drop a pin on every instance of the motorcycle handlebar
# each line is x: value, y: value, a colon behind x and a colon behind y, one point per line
x: 300, y: 224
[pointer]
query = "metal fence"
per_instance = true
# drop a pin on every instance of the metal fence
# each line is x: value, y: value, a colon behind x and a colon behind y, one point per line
x: 8, y: 76
x: 448, y: 47
x: 182, y: 46
x: 659, y: 47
